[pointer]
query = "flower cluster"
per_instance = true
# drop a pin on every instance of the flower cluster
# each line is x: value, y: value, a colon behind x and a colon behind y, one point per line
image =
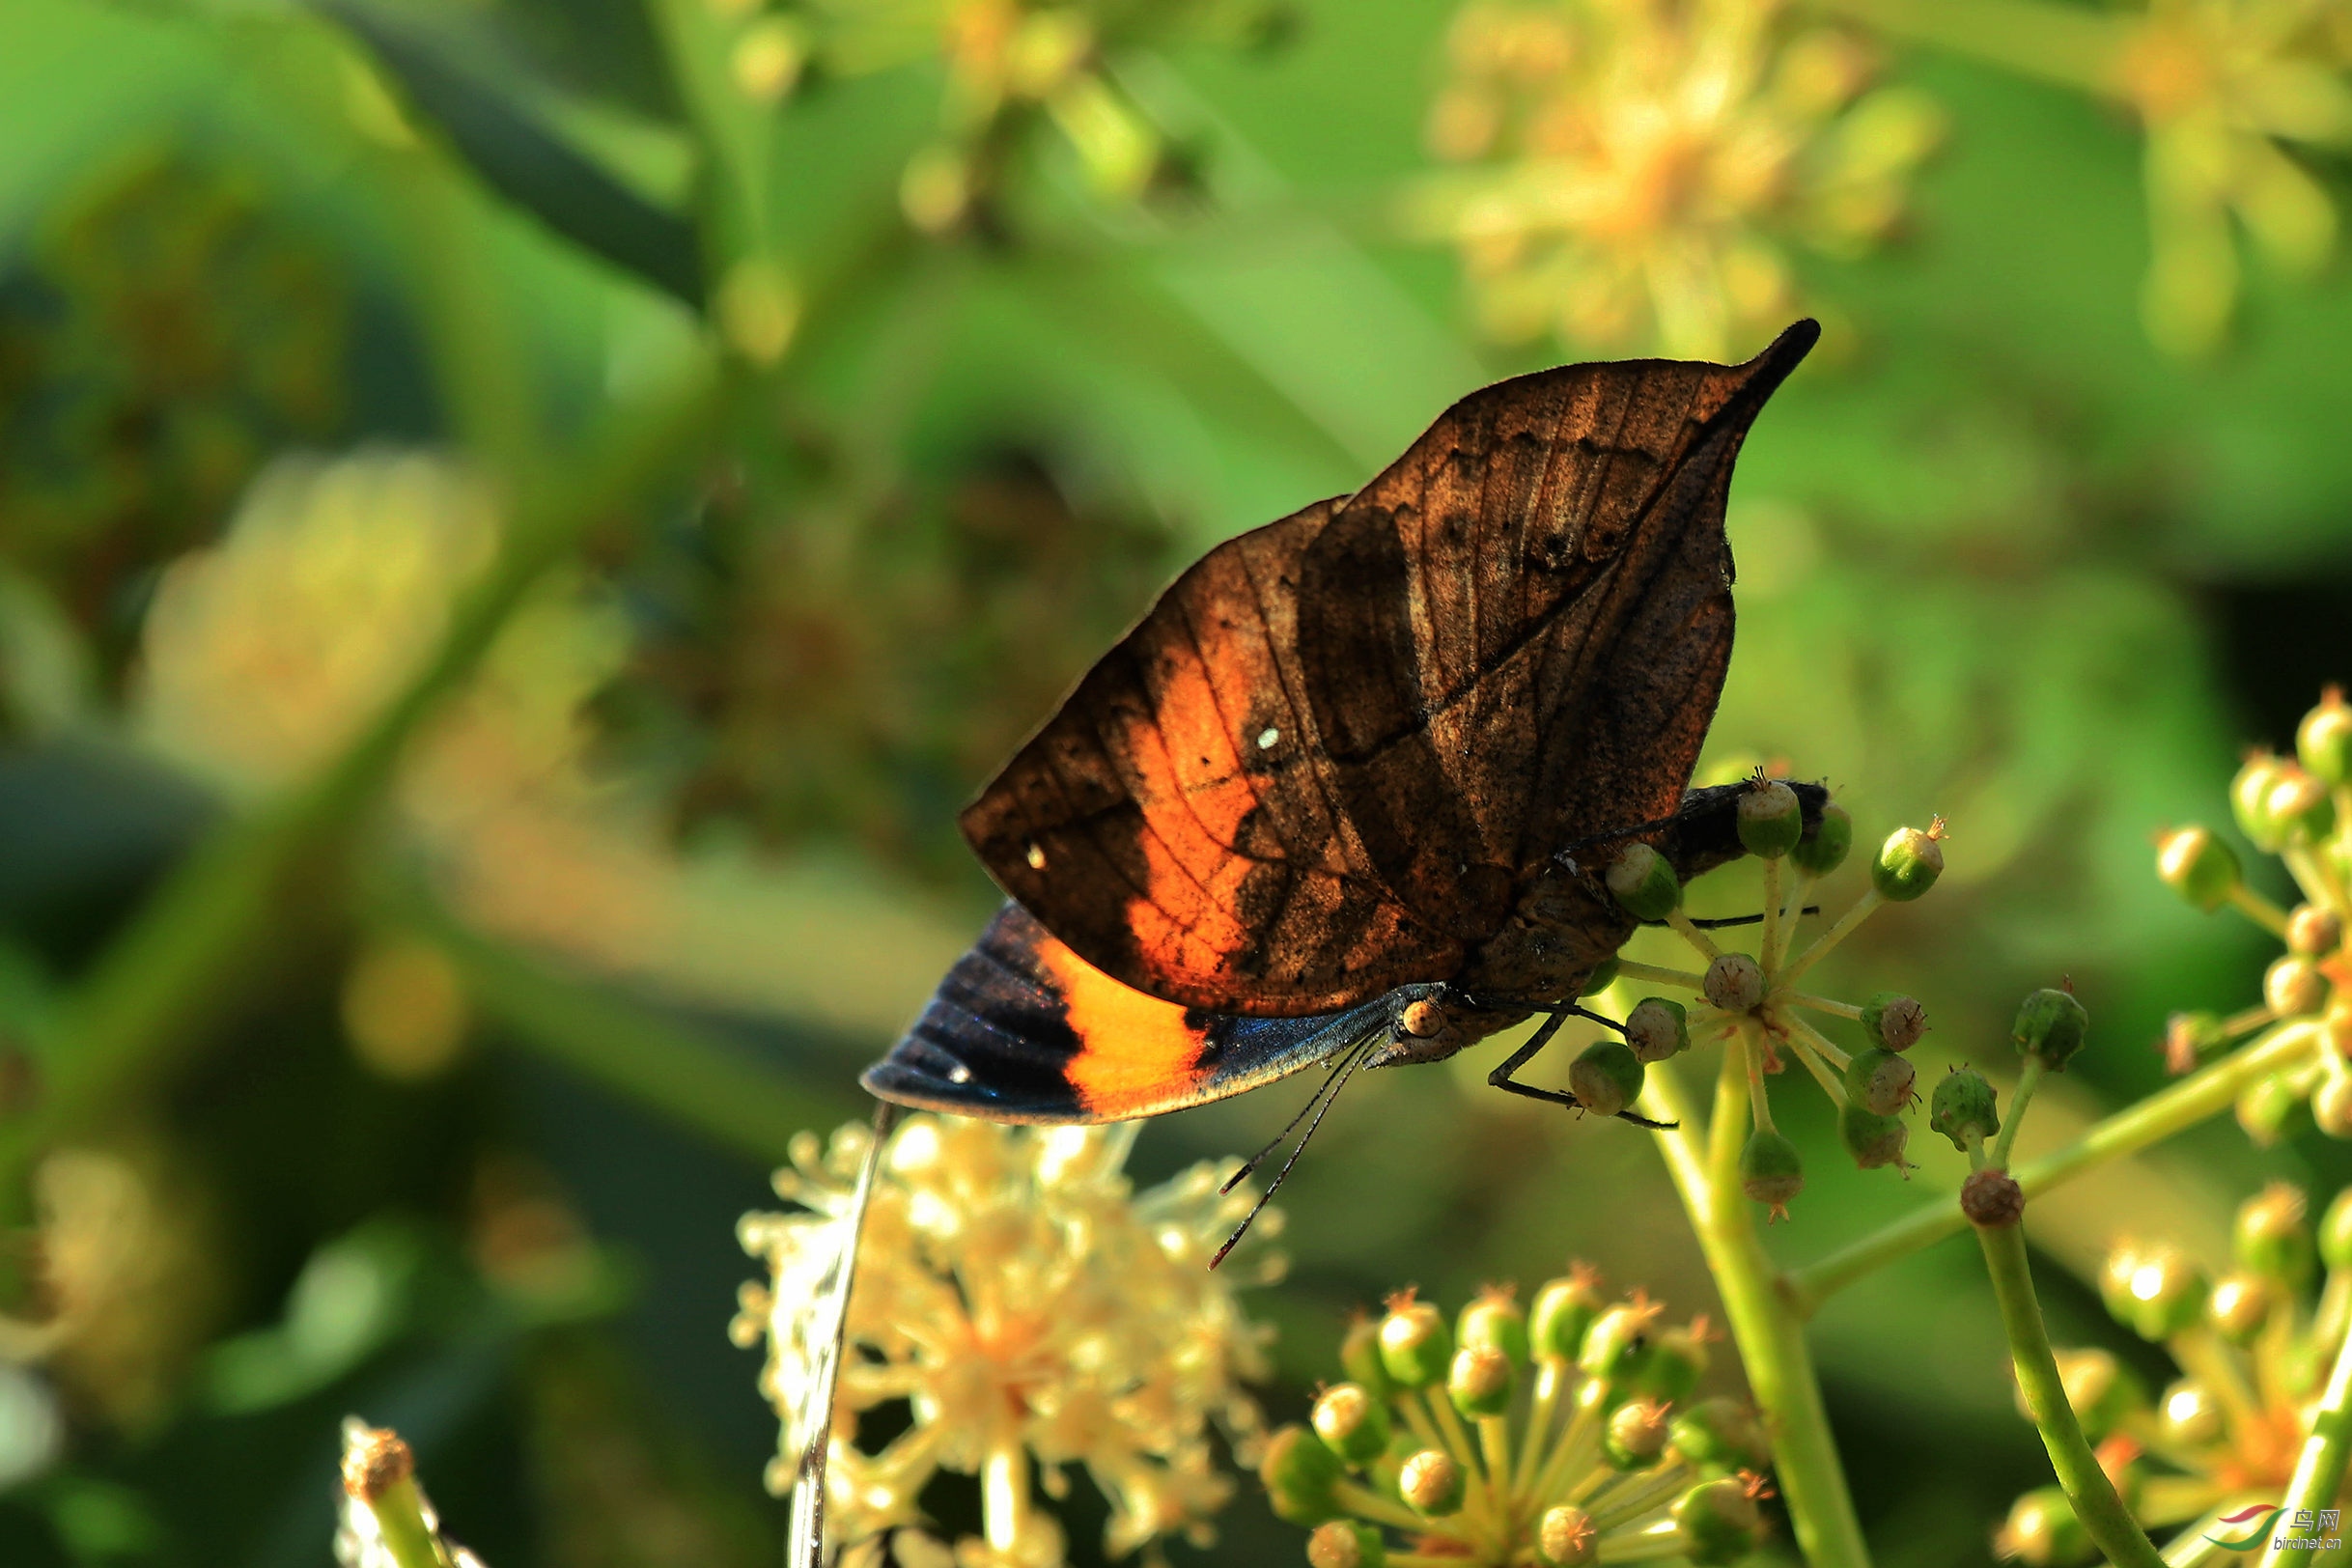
x: 2299, y: 809
x: 2253, y: 1348
x: 1632, y: 168
x: 1562, y: 1434
x: 1021, y: 1307
x: 1752, y: 1001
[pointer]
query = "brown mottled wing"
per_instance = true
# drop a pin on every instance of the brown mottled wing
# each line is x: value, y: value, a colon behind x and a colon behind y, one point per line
x: 1517, y: 635
x: 1173, y: 823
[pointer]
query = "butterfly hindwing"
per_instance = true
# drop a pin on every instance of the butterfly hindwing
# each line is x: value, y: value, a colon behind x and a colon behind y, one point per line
x: 1025, y: 1030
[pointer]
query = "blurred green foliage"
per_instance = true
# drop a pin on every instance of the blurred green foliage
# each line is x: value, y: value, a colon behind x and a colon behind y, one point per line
x: 995, y: 322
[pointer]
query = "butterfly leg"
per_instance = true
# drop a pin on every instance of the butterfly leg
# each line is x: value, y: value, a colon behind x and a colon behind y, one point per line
x: 1501, y: 1077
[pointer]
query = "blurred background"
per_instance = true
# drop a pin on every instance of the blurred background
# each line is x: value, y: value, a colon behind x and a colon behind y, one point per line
x: 522, y: 521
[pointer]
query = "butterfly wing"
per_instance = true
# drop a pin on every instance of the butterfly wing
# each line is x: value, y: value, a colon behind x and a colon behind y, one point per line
x: 1025, y: 1030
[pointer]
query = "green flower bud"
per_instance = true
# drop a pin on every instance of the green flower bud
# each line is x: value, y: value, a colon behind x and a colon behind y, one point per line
x: 1992, y: 1199
x: 1962, y: 1107
x: 1636, y: 1433
x: 1344, y: 1543
x: 1823, y: 848
x: 1413, y: 1344
x: 1677, y: 1360
x: 1718, y: 1435
x: 2198, y: 866
x: 1734, y: 983
x: 1480, y: 1381
x: 1606, y: 1077
x: 2050, y: 1025
x: 1657, y: 1027
x: 2155, y: 1292
x: 1352, y: 1423
x: 1431, y: 1484
x: 2191, y: 1037
x: 2294, y: 987
x: 1495, y: 1320
x: 1894, y: 1021
x: 2268, y: 1109
x: 2188, y: 1416
x: 1565, y: 1537
x: 1616, y: 1348
x: 2102, y: 1390
x: 1603, y: 977
x: 2250, y: 802
x: 2332, y: 1106
x: 1718, y: 1520
x: 1299, y: 1474
x: 2042, y: 1533
x: 2240, y: 1305
x: 1879, y: 1081
x: 1360, y: 1355
x: 1770, y: 821
x: 1771, y: 1172
x: 2323, y: 741
x: 2312, y: 930
x: 2301, y: 806
x: 1873, y: 1140
x: 2273, y: 1236
x: 1562, y: 1311
x: 2335, y: 1231
x: 1909, y: 862
x: 1644, y: 883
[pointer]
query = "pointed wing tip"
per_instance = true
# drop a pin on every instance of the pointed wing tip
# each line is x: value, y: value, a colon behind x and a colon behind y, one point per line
x: 1767, y: 370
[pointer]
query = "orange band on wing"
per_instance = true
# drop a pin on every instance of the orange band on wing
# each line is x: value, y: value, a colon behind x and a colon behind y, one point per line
x: 1132, y: 1049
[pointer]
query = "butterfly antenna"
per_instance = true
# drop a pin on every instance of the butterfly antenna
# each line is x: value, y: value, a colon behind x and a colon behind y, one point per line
x: 1339, y: 1080
x: 1724, y: 922
x: 1258, y: 1158
x: 804, y: 1543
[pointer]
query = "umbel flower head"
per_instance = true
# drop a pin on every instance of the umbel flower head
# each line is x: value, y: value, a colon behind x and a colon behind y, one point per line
x: 2252, y: 1346
x: 1563, y: 1434
x: 1032, y: 1314
x: 1632, y: 170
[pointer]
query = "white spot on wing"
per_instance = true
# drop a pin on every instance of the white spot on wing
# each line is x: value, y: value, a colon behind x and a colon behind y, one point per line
x: 1036, y: 857
x: 1267, y: 738
x: 958, y: 1074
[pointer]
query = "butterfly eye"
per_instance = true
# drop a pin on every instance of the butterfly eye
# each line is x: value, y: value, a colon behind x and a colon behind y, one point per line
x: 1422, y: 1020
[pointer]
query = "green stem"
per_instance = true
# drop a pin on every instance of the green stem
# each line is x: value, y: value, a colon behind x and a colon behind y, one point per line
x: 2061, y: 44
x: 2028, y: 1080
x: 2259, y: 910
x: 399, y: 1518
x: 1768, y: 1331
x: 2319, y: 1469
x: 2208, y: 1092
x: 1861, y: 910
x: 2088, y: 1489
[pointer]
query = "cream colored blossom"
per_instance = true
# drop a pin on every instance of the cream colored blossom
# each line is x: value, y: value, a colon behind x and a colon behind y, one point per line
x: 1633, y: 170
x: 1032, y: 1309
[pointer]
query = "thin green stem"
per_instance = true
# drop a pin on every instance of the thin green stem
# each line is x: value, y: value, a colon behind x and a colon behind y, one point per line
x: 2028, y: 1080
x: 2204, y: 1093
x: 399, y: 1519
x: 2088, y: 1489
x: 1807, y: 1053
x: 1770, y: 940
x: 1822, y: 1005
x: 1829, y: 1048
x: 1683, y: 928
x: 1365, y: 1504
x: 2319, y: 1469
x: 1687, y: 979
x: 2259, y: 910
x: 2054, y: 44
x: 1829, y: 938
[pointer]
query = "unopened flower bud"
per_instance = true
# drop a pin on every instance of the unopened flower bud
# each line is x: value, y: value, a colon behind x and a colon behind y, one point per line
x: 2267, y: 1109
x: 1718, y: 1520
x: 1636, y: 1433
x: 1413, y: 1345
x: 1909, y: 862
x: 1431, y: 1484
x: 1616, y: 1347
x: 1495, y: 1320
x: 2335, y: 1231
x: 1606, y: 1077
x: 1350, y: 1422
x: 1565, y: 1537
x: 1657, y: 1027
x: 2191, y: 1037
x: 1894, y: 1021
x: 1771, y: 1171
x: 2301, y: 806
x: 1480, y: 1381
x: 2323, y: 741
x: 1676, y: 1360
x: 2250, y: 802
x: 1345, y: 1543
x: 1562, y: 1311
x: 2313, y: 931
x: 1361, y: 1358
x: 1769, y: 820
x: 1643, y: 882
x: 2188, y: 1416
x: 1604, y: 976
x: 2294, y: 987
x: 2273, y: 1236
x: 2332, y: 1106
x: 2155, y: 1292
x: 2042, y: 1531
x: 1962, y: 1107
x: 1992, y: 1199
x: 1734, y: 983
x: 1719, y: 1434
x: 2240, y: 1305
x: 1299, y: 1474
x: 2050, y: 1028
x: 1873, y: 1140
x: 2102, y: 1391
x: 1823, y: 849
x: 1879, y: 1081
x: 2198, y: 866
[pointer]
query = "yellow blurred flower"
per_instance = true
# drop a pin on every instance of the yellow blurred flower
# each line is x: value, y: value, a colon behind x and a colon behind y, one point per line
x: 1633, y: 170
x: 1030, y: 1309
